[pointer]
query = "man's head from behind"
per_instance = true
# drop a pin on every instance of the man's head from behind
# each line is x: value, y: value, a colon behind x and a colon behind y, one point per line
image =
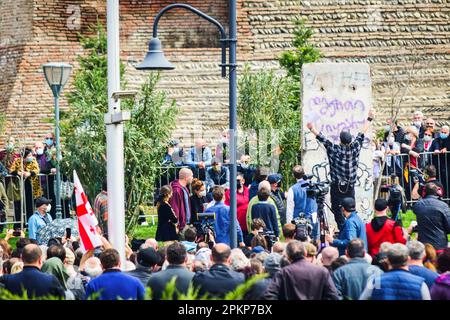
x: 329, y: 255
x: 355, y: 249
x: 432, y: 189
x: 416, y: 250
x: 110, y: 259
x: 93, y: 267
x: 221, y: 254
x: 147, y: 257
x: 218, y: 193
x: 345, y: 137
x: 190, y: 234
x: 380, y: 207
x: 176, y: 253
x: 289, y: 231
x: 32, y: 255
x: 56, y: 250
x: 295, y: 250
x: 398, y: 255
x: 298, y: 172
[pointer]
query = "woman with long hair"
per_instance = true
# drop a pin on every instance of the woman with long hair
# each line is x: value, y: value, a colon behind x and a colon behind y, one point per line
x: 167, y: 220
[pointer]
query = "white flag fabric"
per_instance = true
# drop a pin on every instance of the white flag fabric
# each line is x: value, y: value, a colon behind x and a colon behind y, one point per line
x: 87, y: 220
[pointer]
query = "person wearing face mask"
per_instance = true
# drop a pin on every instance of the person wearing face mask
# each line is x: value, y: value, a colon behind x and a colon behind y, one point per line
x: 418, y: 123
x: 427, y: 143
x: 29, y: 170
x: 397, y: 131
x: 198, y: 201
x: 392, y: 150
x: 49, y: 141
x: 199, y: 159
x: 217, y: 175
x: 343, y: 163
x: 45, y: 167
x: 440, y: 158
x: 40, y: 218
x: 246, y: 169
x: 242, y: 200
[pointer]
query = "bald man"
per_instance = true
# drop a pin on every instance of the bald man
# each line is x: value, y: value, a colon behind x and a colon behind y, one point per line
x: 199, y: 158
x: 219, y: 279
x: 180, y: 201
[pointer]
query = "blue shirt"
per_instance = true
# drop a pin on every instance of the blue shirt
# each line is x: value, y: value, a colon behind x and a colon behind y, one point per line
x: 425, y: 273
x: 186, y: 205
x: 114, y: 284
x: 353, y: 228
x: 222, y: 223
x: 35, y: 223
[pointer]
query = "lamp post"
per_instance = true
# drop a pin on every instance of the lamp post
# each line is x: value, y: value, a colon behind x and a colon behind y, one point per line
x: 155, y: 60
x: 57, y: 74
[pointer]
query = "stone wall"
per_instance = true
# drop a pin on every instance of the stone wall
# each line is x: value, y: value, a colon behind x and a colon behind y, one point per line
x: 396, y: 37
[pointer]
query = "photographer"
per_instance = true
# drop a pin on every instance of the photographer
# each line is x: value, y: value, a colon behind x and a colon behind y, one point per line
x: 344, y: 160
x: 298, y: 202
x: 222, y: 220
x: 429, y: 175
x: 266, y: 211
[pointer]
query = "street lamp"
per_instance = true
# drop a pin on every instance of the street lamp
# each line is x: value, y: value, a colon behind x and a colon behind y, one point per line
x: 155, y: 60
x: 57, y: 74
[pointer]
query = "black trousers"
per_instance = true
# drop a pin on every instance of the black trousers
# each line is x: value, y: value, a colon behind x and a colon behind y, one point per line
x: 337, y: 195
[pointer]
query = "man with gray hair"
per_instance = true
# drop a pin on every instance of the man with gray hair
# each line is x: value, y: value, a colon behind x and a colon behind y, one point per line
x: 93, y: 267
x: 415, y: 262
x: 418, y: 123
x: 263, y: 186
x: 301, y: 280
x: 398, y: 283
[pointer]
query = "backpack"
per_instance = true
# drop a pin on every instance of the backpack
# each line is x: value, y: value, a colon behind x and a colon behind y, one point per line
x: 395, y: 195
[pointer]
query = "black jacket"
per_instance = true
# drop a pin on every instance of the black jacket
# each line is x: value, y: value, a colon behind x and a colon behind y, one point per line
x: 302, y: 280
x: 166, y: 230
x: 218, y: 281
x: 36, y: 283
x: 159, y: 280
x: 141, y: 273
x: 433, y: 221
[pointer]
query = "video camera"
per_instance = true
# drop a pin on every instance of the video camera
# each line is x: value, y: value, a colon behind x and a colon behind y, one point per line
x: 315, y: 189
x: 270, y: 237
x: 303, y: 227
x: 206, y: 223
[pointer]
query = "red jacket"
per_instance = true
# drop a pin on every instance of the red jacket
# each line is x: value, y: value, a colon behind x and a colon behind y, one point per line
x: 242, y: 204
x: 389, y: 232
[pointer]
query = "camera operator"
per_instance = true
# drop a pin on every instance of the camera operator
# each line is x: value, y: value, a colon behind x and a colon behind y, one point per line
x: 344, y: 160
x: 352, y: 228
x: 222, y: 220
x: 429, y: 175
x: 298, y: 202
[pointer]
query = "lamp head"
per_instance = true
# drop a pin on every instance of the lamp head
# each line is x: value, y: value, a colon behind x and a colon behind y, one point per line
x: 57, y: 74
x: 155, y: 59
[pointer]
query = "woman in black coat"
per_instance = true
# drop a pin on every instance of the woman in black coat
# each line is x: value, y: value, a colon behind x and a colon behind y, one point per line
x: 167, y: 220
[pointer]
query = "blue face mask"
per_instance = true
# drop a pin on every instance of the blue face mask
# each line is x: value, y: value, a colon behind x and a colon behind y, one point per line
x: 29, y: 160
x: 443, y: 135
x: 49, y: 142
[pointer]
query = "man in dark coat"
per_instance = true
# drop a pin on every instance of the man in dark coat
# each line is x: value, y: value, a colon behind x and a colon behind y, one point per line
x: 147, y: 259
x: 220, y: 279
x: 301, y: 280
x: 180, y: 200
x: 176, y: 256
x: 433, y: 218
x: 36, y: 284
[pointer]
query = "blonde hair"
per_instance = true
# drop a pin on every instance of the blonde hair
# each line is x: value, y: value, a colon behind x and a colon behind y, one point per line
x: 17, y: 267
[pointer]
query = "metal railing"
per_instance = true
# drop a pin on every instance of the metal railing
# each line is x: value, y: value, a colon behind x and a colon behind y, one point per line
x: 400, y: 166
x: 21, y: 197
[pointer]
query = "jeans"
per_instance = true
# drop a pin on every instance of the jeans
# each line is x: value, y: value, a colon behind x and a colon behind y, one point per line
x: 336, y: 199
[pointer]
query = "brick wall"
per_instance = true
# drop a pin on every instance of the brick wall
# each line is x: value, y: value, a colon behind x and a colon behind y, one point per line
x: 391, y: 35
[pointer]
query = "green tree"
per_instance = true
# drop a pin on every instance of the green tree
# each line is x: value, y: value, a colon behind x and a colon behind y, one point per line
x: 84, y: 132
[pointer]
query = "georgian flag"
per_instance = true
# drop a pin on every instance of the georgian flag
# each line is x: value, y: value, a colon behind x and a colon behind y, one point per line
x: 87, y: 221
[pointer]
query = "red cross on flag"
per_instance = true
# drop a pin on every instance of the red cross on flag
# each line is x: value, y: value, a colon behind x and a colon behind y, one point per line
x: 86, y: 218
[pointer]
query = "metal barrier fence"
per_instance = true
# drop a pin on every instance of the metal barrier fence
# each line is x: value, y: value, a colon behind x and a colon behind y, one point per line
x: 408, y: 171
x: 22, y: 193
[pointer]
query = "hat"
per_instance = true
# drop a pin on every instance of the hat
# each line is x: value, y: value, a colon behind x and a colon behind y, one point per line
x: 274, y: 178
x: 148, y: 257
x: 272, y: 263
x: 349, y: 204
x: 174, y: 142
x: 42, y: 200
x: 257, y: 249
x: 381, y: 204
x: 345, y: 137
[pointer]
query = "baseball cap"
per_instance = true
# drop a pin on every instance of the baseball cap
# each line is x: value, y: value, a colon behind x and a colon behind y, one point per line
x: 148, y: 257
x: 274, y: 178
x: 258, y: 249
x: 42, y: 200
x: 272, y: 263
x: 349, y: 204
x: 380, y: 204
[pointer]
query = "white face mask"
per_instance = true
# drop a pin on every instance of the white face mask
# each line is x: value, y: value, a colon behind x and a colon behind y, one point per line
x: 427, y: 138
x: 202, y: 193
x: 391, y: 141
x: 417, y: 123
x: 49, y: 208
x: 244, y: 165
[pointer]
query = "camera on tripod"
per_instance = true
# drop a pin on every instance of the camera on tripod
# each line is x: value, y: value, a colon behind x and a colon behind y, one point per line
x: 303, y: 227
x: 315, y: 189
